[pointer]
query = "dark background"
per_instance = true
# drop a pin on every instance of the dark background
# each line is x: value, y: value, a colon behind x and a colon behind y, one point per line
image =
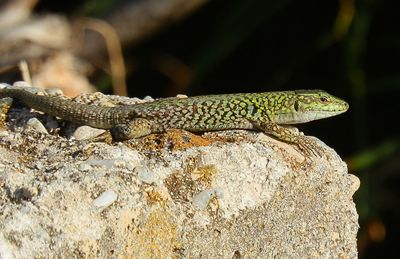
x: 349, y: 48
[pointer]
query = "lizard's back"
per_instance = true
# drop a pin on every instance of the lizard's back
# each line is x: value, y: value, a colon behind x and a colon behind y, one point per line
x: 208, y: 112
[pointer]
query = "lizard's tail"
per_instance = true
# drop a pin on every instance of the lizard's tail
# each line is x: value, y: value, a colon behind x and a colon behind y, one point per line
x: 92, y: 115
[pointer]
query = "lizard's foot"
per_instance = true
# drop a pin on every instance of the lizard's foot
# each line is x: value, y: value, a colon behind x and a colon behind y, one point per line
x: 309, y: 147
x: 135, y: 129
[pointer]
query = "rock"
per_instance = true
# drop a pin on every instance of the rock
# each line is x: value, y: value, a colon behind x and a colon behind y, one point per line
x: 86, y: 132
x: 105, y: 199
x: 54, y: 91
x: 35, y: 124
x: 242, y: 195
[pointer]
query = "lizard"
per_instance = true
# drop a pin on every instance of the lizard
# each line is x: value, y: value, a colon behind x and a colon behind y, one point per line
x: 268, y: 112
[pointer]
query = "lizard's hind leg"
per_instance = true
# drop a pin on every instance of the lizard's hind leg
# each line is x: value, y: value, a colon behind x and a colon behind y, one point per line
x: 137, y: 128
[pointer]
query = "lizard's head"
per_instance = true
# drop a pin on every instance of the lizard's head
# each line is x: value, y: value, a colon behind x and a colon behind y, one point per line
x: 309, y: 105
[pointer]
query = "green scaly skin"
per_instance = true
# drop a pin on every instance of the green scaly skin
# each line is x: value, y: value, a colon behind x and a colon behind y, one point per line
x: 265, y: 112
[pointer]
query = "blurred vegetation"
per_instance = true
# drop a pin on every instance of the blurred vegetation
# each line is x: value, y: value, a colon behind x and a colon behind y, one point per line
x: 349, y: 48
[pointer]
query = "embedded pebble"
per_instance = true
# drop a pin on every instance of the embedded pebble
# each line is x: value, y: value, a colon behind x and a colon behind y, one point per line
x: 21, y: 84
x: 105, y: 199
x: 54, y: 92
x: 36, y: 125
x: 148, y: 98
x: 201, y: 200
x: 87, y: 132
x: 145, y: 175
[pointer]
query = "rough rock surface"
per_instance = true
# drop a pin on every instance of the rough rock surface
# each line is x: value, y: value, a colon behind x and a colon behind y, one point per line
x: 233, y: 194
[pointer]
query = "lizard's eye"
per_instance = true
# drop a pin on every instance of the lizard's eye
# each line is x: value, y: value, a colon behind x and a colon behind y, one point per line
x: 323, y: 99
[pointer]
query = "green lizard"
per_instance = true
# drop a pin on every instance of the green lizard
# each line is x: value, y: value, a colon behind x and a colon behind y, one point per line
x: 267, y: 112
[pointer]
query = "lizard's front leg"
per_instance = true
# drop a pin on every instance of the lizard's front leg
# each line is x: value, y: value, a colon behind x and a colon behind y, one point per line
x: 137, y: 128
x: 288, y: 135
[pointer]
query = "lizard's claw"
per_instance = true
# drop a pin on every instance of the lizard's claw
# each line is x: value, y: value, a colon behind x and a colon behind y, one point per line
x: 309, y: 147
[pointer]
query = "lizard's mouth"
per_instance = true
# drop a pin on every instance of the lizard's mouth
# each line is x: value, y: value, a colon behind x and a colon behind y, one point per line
x: 304, y: 116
